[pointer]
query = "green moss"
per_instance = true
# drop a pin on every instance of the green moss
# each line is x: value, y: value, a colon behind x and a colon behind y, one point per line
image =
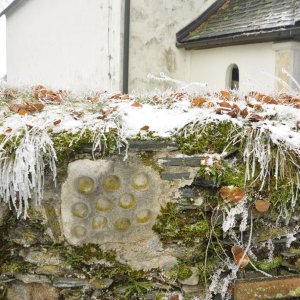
x: 68, y: 144
x: 225, y: 173
x: 269, y: 266
x: 211, y: 138
x: 183, y: 271
x: 188, y: 226
x: 149, y: 160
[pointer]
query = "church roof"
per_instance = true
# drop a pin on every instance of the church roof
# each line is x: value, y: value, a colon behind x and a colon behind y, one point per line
x: 229, y: 22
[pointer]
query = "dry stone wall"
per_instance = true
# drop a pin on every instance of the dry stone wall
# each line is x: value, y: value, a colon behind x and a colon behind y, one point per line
x: 142, y: 228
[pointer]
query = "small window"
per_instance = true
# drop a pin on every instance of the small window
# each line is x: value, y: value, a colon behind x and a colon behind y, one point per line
x: 233, y: 77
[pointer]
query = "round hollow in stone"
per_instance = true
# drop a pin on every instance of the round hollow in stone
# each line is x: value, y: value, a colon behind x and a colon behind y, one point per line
x: 103, y: 205
x: 85, y: 185
x: 127, y: 201
x: 140, y: 181
x: 143, y: 216
x: 99, y: 223
x: 122, y: 224
x: 112, y: 183
x: 79, y: 231
x: 80, y: 210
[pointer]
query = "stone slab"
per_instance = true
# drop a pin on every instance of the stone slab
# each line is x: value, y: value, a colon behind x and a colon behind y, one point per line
x: 271, y: 288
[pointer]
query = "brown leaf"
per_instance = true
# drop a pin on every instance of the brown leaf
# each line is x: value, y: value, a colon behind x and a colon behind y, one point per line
x: 145, y: 128
x: 239, y: 256
x: 244, y: 113
x: 224, y: 192
x: 23, y: 112
x: 56, y: 122
x: 255, y: 118
x: 232, y: 113
x: 16, y: 107
x: 262, y: 205
x: 198, y: 101
x: 225, y: 95
x: 8, y: 130
x: 136, y: 104
x: 236, y: 195
x: 224, y: 104
x: 35, y: 106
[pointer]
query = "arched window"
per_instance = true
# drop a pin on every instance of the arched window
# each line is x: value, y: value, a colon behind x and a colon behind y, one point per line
x: 233, y: 77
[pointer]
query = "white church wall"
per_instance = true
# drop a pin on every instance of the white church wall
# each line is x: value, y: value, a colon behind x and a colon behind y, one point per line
x: 71, y: 44
x: 153, y: 48
x: 256, y: 63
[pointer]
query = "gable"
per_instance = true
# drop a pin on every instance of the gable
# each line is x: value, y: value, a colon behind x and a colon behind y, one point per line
x: 239, y: 21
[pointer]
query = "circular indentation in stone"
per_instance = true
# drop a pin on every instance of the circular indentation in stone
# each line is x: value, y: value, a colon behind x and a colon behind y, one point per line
x: 122, y: 224
x: 143, y: 216
x: 99, y: 223
x: 79, y: 232
x: 112, y: 183
x: 85, y: 185
x: 103, y: 205
x: 140, y: 181
x: 80, y: 210
x: 127, y: 201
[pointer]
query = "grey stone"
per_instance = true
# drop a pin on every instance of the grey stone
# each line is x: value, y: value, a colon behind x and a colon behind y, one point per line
x: 25, y: 235
x: 49, y: 270
x: 70, y: 282
x: 41, y: 257
x: 152, y: 146
x: 193, y: 161
x: 4, y: 210
x: 202, y: 182
x: 101, y: 283
x: 174, y: 176
x: 32, y: 291
x: 32, y: 278
x: 193, y: 280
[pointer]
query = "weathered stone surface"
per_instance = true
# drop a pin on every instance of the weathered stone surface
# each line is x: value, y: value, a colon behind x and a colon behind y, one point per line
x: 189, y: 161
x: 52, y: 220
x: 273, y: 288
x: 175, y: 176
x: 25, y: 236
x: 109, y: 202
x: 193, y: 280
x: 101, y: 283
x: 152, y: 146
x: 41, y: 257
x: 70, y: 282
x: 49, y: 270
x: 33, y: 291
x: 202, y: 182
x: 32, y: 278
x: 4, y: 210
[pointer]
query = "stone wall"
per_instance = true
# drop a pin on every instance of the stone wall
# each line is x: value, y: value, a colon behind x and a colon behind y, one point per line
x: 148, y: 227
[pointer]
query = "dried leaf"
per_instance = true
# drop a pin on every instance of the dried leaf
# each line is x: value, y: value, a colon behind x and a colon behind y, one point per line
x: 225, y: 95
x: 255, y: 118
x: 23, y: 112
x: 239, y: 256
x: 262, y: 205
x: 56, y: 122
x: 224, y: 104
x: 198, y: 101
x: 236, y: 195
x: 35, y: 106
x: 244, y: 113
x: 136, y: 104
x: 16, y: 107
x: 224, y: 192
x: 145, y: 128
